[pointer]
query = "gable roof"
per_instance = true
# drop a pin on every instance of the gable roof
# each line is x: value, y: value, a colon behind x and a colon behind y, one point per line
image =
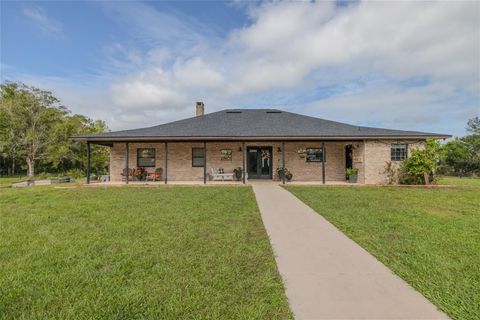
x: 254, y: 124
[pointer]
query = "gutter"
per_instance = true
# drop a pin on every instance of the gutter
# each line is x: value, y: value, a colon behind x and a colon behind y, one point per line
x: 237, y: 138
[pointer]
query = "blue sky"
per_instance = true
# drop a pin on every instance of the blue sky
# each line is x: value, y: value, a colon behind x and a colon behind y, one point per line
x: 134, y: 64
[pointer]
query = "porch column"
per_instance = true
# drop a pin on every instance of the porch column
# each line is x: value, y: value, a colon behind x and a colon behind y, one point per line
x: 88, y: 162
x: 166, y: 162
x: 205, y: 162
x: 126, y: 163
x: 243, y: 161
x: 283, y: 161
x: 323, y: 162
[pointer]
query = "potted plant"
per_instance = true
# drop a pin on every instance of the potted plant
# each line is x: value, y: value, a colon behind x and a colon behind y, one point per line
x: 352, y: 174
x: 302, y: 152
x: 284, y: 172
x: 238, y: 173
x: 281, y: 172
x: 141, y: 174
x: 288, y: 176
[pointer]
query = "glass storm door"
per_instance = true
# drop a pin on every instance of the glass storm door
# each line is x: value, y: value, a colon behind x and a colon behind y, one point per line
x: 259, y: 162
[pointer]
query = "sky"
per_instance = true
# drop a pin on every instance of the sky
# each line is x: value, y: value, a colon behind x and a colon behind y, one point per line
x: 400, y: 65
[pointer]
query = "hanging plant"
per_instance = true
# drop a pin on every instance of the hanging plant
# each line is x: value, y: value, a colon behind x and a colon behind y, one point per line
x: 302, y: 152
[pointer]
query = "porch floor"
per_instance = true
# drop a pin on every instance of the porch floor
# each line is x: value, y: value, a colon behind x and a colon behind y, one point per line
x: 217, y: 183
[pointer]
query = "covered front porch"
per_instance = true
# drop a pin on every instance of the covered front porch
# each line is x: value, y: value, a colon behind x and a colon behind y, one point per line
x: 218, y: 162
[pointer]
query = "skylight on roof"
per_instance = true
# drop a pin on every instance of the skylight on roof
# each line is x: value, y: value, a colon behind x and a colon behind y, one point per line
x: 234, y: 111
x: 274, y: 111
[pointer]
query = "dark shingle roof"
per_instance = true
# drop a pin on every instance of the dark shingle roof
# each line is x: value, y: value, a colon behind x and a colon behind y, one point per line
x: 255, y: 123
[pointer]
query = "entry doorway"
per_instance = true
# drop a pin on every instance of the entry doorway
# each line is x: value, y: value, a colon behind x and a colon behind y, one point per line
x: 259, y: 162
x: 348, y: 158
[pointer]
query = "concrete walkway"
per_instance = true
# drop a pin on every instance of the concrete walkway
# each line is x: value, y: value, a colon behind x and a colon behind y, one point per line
x: 327, y: 275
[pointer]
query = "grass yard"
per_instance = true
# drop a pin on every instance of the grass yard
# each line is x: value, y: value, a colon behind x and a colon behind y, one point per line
x: 6, y: 182
x: 136, y: 253
x: 429, y: 237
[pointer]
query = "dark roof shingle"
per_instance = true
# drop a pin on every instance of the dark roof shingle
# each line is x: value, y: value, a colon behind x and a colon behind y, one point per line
x: 258, y: 123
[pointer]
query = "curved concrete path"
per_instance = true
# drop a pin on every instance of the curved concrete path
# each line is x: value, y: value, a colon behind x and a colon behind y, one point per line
x: 326, y: 274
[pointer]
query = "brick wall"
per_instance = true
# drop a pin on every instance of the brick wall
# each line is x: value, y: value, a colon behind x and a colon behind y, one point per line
x: 378, y: 153
x: 369, y: 157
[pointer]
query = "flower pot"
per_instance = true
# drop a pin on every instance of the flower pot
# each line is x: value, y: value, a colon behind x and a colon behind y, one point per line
x: 289, y: 177
x: 353, y: 178
x: 238, y: 175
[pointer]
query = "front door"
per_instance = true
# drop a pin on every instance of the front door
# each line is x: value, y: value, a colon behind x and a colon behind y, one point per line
x: 259, y: 162
x: 348, y: 158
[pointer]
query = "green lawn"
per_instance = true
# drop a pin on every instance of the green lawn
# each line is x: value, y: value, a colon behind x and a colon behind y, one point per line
x: 456, y: 181
x: 136, y: 253
x: 429, y: 237
x: 7, y: 181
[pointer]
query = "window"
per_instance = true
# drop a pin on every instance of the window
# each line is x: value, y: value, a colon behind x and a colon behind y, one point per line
x: 399, y: 152
x: 146, y: 157
x: 314, y: 155
x: 198, y: 157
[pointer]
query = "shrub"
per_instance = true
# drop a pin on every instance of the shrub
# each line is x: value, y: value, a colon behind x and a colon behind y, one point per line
x: 76, y: 173
x: 351, y: 171
x: 420, y: 167
x: 391, y: 172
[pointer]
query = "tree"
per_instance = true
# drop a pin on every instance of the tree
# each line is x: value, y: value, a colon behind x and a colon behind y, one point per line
x: 9, y: 146
x: 423, y: 162
x: 66, y: 154
x: 31, y: 114
x: 463, y: 154
x: 35, y: 131
x: 473, y: 126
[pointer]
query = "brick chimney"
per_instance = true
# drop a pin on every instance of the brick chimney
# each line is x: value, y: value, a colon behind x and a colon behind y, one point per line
x: 200, y: 108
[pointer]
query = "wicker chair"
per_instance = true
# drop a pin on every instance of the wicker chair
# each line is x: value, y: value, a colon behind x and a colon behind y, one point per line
x: 155, y: 176
x: 131, y: 174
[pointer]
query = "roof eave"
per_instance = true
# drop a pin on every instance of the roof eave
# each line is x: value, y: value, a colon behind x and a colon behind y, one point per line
x: 258, y: 138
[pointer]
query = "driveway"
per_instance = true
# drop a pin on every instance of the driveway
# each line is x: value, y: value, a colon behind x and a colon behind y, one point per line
x: 326, y: 274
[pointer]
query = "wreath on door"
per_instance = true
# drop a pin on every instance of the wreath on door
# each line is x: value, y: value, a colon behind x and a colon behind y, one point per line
x: 265, y: 154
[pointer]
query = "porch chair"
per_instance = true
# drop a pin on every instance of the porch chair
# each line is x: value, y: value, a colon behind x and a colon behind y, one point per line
x: 219, y: 174
x: 131, y: 174
x: 156, y: 175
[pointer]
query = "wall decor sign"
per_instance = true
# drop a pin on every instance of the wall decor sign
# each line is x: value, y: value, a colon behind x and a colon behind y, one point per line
x: 226, y: 154
x: 357, y: 159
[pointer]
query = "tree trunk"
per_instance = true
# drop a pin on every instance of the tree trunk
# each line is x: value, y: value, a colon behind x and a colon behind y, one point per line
x: 13, y: 165
x: 426, y: 177
x: 31, y: 167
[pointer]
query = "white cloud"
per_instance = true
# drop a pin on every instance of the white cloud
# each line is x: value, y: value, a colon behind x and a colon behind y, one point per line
x: 146, y: 89
x: 42, y: 21
x: 396, y: 107
x: 399, y: 39
x: 367, y: 52
x: 196, y: 73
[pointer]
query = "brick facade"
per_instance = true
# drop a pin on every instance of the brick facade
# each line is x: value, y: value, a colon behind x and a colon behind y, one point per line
x: 377, y: 154
x: 369, y: 157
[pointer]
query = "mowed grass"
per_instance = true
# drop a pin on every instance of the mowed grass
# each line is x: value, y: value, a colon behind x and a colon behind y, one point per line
x: 429, y: 237
x: 456, y: 181
x: 136, y: 253
x: 6, y: 182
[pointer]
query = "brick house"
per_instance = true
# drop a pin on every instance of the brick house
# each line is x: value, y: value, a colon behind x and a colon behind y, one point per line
x: 259, y: 141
